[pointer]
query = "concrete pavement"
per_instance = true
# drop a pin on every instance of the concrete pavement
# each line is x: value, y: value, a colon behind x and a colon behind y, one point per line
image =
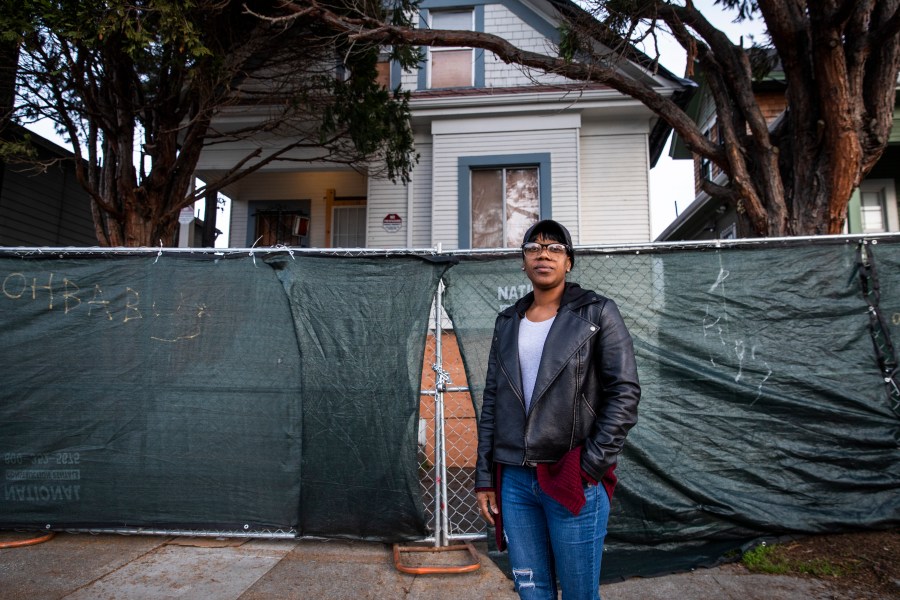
x: 116, y: 567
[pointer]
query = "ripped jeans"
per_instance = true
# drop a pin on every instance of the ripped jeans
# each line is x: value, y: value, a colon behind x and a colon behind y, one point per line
x: 546, y: 542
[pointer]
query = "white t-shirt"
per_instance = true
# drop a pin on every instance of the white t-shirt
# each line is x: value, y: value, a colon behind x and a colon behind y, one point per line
x: 531, y: 346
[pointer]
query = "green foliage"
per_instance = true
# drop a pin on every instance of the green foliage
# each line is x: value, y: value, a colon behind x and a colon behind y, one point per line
x: 570, y: 42
x: 762, y: 62
x: 121, y: 75
x: 774, y: 560
x: 18, y: 150
x: 369, y: 114
x: 746, y: 9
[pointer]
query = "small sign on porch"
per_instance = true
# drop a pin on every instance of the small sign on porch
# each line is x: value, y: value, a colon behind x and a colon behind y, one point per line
x: 392, y: 223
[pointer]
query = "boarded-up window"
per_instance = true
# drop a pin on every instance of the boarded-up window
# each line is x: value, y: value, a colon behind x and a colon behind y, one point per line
x: 505, y: 203
x: 383, y: 77
x: 451, y: 67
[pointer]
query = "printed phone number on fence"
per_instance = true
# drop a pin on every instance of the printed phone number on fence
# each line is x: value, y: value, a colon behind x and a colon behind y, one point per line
x: 56, y: 458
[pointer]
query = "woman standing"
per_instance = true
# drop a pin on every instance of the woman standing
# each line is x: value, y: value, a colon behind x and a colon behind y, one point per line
x: 560, y: 396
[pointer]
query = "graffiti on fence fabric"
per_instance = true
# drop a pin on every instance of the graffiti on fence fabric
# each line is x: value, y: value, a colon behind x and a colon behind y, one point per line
x: 121, y: 303
x: 715, y: 323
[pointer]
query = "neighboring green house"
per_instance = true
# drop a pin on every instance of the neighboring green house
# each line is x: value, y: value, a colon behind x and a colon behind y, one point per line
x: 873, y: 206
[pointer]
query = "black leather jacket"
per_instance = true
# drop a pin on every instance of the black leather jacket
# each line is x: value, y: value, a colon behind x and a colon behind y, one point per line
x: 586, y: 392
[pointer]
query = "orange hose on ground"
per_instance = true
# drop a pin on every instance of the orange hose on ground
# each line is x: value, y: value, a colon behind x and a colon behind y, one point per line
x: 29, y: 542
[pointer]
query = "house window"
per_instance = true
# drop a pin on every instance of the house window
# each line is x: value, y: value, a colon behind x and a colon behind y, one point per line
x: 729, y: 233
x: 278, y: 227
x: 505, y: 203
x: 708, y: 169
x: 348, y: 227
x: 452, y: 66
x: 705, y: 168
x: 873, y: 207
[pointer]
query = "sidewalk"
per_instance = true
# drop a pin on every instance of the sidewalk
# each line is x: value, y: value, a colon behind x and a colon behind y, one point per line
x: 89, y: 567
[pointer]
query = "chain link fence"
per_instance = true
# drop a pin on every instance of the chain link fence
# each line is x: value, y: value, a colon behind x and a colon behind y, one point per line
x: 447, y: 436
x: 717, y: 319
x: 715, y: 305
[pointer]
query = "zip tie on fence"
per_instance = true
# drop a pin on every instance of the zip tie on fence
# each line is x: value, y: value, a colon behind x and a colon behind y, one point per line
x: 290, y: 251
x: 252, y: 249
x: 158, y: 254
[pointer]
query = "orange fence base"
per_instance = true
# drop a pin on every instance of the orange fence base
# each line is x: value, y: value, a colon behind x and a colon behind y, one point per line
x: 431, y: 570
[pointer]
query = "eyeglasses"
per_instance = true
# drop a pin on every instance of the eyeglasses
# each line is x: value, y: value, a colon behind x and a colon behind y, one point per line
x: 535, y: 248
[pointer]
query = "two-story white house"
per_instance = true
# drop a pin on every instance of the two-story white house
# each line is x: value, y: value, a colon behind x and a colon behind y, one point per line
x: 500, y: 147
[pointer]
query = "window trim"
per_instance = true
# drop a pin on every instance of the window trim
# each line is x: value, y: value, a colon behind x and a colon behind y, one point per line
x: 465, y: 164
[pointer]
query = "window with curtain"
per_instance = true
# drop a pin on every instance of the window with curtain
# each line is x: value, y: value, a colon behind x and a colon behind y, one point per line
x: 348, y: 227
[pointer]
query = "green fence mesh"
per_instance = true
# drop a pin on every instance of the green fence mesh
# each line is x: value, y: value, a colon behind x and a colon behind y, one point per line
x: 185, y: 393
x: 220, y: 392
x: 764, y: 410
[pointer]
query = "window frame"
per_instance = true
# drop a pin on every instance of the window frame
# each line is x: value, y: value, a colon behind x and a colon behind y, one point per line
x: 465, y: 166
x: 336, y: 208
x: 729, y: 233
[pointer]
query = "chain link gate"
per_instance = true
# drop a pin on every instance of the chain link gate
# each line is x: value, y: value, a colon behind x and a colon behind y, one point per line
x: 447, y: 444
x: 447, y: 437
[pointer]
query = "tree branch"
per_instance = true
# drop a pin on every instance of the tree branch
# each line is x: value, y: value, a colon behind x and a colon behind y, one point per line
x: 377, y: 32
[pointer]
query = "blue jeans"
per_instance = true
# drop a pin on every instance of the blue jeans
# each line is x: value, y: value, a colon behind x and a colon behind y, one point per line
x: 546, y: 542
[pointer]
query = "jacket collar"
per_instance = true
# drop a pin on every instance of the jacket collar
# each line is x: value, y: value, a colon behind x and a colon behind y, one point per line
x: 573, y: 297
x: 567, y: 334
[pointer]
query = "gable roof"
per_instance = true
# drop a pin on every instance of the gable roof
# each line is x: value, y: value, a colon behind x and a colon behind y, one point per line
x: 538, y: 14
x: 682, y: 96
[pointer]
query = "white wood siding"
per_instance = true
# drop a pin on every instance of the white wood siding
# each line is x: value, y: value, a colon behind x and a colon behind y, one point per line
x: 422, y: 197
x: 615, y: 190
x: 561, y: 144
x: 237, y: 227
x: 385, y: 198
x: 501, y: 21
